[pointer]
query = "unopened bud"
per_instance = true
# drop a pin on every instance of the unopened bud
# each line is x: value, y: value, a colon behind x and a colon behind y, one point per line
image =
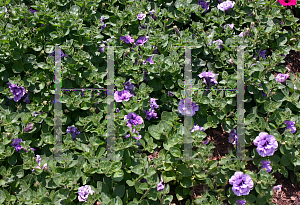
x: 176, y: 29
x: 252, y: 25
x: 103, y: 5
x: 48, y: 83
x: 45, y: 102
x: 293, y: 39
x: 36, y: 184
x: 89, y: 145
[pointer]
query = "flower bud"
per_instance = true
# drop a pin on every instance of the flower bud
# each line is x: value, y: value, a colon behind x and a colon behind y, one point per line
x: 293, y: 39
x: 36, y: 184
x: 176, y: 29
x: 252, y: 25
x: 48, y: 83
x: 92, y: 109
x: 103, y: 5
x: 45, y: 102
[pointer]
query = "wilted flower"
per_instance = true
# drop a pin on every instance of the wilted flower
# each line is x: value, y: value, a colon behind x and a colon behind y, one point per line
x: 266, y: 164
x: 241, y: 202
x: 189, y: 110
x: 73, y: 131
x: 141, y: 40
x: 232, y: 137
x: 133, y: 119
x: 281, y: 78
x: 83, y: 193
x: 127, y: 39
x: 141, y: 16
x: 209, y: 77
x: 170, y: 93
x: 123, y: 95
x: 18, y: 92
x: 16, y: 144
x: 266, y: 144
x: 278, y: 187
x: 288, y: 2
x: 242, y: 183
x: 160, y: 186
x: 204, y: 5
x: 28, y: 127
x: 291, y: 125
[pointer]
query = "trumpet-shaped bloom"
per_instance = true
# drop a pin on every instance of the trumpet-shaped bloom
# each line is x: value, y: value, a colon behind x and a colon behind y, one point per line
x: 160, y: 186
x: 266, y: 144
x: 149, y: 59
x: 142, y: 40
x: 242, y: 183
x: 226, y: 5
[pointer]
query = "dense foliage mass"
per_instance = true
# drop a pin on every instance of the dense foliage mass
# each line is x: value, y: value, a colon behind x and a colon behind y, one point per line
x: 149, y: 39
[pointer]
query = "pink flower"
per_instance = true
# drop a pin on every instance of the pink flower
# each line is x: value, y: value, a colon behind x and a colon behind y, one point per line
x: 288, y: 2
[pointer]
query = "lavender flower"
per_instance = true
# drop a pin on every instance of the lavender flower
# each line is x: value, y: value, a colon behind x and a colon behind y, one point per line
x: 209, y: 78
x: 290, y: 125
x: 261, y: 54
x: 129, y: 87
x: 16, y: 144
x: 83, y: 193
x: 189, y: 110
x: 242, y: 183
x: 141, y: 40
x: 127, y: 39
x: 102, y: 21
x: 149, y: 59
x: 266, y: 144
x: 281, y: 78
x: 219, y: 41
x: 241, y: 34
x: 73, y: 131
x: 28, y: 127
x: 278, y: 187
x: 150, y: 114
x: 241, y: 202
x: 226, y: 5
x: 45, y: 166
x: 153, y: 104
x: 266, y: 164
x: 32, y: 10
x: 197, y: 127
x: 160, y: 186
x: 133, y: 119
x: 171, y: 93
x: 18, y: 92
x: 123, y: 95
x: 233, y: 137
x: 141, y: 16
x: 152, y: 13
x: 204, y: 5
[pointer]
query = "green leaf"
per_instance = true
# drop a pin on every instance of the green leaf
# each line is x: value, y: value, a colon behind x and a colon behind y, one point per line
x: 119, y: 191
x: 138, y: 169
x: 29, y: 58
x: 118, y: 176
x: 176, y: 152
x: 75, y: 10
x: 186, y: 182
x: 184, y: 170
x: 17, y: 67
x: 2, y: 196
x: 156, y: 84
x: 47, y: 138
x: 168, y: 176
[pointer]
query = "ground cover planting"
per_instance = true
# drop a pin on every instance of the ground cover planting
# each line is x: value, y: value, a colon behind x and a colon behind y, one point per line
x: 149, y: 102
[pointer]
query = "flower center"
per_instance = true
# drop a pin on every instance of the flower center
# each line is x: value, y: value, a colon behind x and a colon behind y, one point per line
x: 287, y: 1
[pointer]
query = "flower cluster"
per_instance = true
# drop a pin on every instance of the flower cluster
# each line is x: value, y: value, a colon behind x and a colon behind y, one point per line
x: 266, y: 144
x: 133, y: 120
x: 83, y: 193
x: 242, y: 183
x: 188, y: 109
x: 153, y: 106
x: 209, y: 78
x: 290, y: 125
x: 73, y: 131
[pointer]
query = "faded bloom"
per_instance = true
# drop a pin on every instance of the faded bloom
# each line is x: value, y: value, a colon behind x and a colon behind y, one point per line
x: 281, y: 78
x: 18, y: 92
x: 83, y: 193
x: 73, y: 131
x: 266, y: 144
x: 241, y: 34
x: 241, y: 202
x: 226, y: 5
x: 189, y: 110
x: 204, y: 5
x: 160, y: 186
x: 127, y: 39
x: 291, y: 125
x: 278, y: 187
x: 266, y: 164
x: 141, y: 16
x: 152, y: 13
x: 123, y: 95
x: 242, y: 183
x: 133, y: 119
x: 28, y: 127
x: 209, y: 77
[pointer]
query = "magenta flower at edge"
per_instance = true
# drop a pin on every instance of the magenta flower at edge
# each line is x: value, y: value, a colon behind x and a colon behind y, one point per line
x: 123, y: 95
x: 266, y: 144
x: 281, y: 78
x: 83, y: 193
x: 266, y: 164
x: 18, y: 92
x: 288, y: 2
x: 189, y: 110
x: 127, y: 39
x: 242, y: 183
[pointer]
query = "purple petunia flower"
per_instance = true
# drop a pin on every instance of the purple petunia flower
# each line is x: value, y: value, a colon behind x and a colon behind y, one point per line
x: 281, y: 78
x: 233, y: 137
x: 141, y: 16
x: 83, y: 193
x: 117, y: 110
x: 129, y: 87
x: 242, y: 183
x: 266, y: 164
x: 156, y: 51
x: 218, y: 41
x: 171, y: 94
x: 16, y: 144
x: 102, y: 21
x: 261, y: 54
x: 152, y: 13
x: 266, y: 144
x: 226, y: 5
x: 18, y: 92
x: 204, y: 5
x: 149, y: 59
x: 290, y: 125
x: 209, y: 78
x: 189, y: 110
x: 150, y: 114
x: 141, y: 40
x: 278, y: 187
x: 197, y: 127
x: 123, y: 95
x: 133, y: 119
x: 73, y: 131
x: 160, y: 186
x: 153, y: 104
x: 241, y: 202
x: 127, y: 39
x: 230, y: 25
x: 28, y: 127
x: 32, y: 10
